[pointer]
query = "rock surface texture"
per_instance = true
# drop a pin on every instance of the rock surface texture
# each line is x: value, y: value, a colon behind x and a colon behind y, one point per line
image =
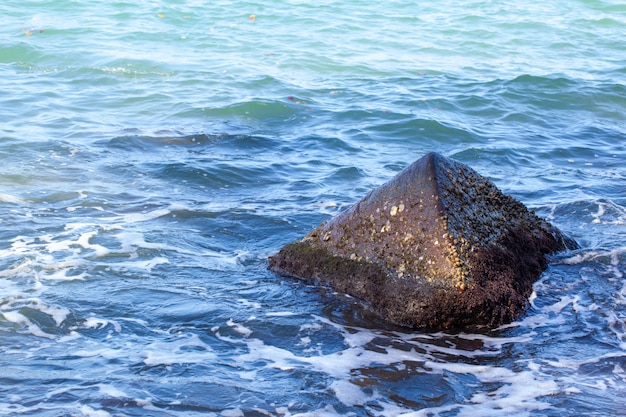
x: 436, y: 247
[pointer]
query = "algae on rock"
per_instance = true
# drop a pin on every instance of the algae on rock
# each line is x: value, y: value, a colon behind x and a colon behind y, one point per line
x: 438, y: 246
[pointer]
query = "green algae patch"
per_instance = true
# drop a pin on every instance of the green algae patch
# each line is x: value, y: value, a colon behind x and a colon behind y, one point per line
x: 304, y: 261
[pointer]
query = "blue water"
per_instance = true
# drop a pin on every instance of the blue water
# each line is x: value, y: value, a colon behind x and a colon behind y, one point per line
x: 155, y: 153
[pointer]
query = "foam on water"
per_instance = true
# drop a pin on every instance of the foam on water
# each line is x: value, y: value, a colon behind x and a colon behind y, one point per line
x: 25, y: 313
x: 517, y: 392
x: 352, y: 365
x: 516, y: 370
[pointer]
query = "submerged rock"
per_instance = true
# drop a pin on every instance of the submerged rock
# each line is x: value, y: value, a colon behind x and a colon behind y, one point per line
x: 436, y: 247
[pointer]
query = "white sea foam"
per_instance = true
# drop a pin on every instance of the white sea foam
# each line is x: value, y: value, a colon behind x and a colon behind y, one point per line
x: 62, y: 275
x: 12, y: 407
x: 327, y: 411
x: 131, y: 241
x: 86, y: 411
x: 75, y: 240
x: 144, y: 265
x: 98, y: 323
x: 520, y: 391
x: 593, y: 255
x: 609, y: 213
x: 248, y: 303
x: 21, y: 244
x: 330, y: 208
x: 143, y: 217
x: 18, y: 318
x: 232, y: 412
x: 280, y: 314
x: 140, y: 217
x: 184, y: 349
x: 71, y: 336
x: 7, y: 198
x: 239, y: 328
x: 350, y: 394
x: 12, y: 309
x: 565, y: 301
x: 83, y: 240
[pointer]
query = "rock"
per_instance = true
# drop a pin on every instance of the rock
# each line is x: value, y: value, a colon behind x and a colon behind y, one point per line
x: 436, y: 247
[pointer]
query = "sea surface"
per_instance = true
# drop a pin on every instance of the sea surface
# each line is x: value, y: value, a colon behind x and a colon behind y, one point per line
x: 153, y: 154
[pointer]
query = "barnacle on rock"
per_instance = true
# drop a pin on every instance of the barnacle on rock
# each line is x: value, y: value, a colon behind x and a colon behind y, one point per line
x: 461, y: 253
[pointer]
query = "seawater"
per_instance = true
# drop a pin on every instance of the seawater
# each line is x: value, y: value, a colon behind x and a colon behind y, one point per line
x: 154, y: 153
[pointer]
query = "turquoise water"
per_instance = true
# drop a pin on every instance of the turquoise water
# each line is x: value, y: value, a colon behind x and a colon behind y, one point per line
x: 155, y: 153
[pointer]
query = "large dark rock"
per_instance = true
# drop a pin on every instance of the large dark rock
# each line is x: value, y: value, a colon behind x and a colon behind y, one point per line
x: 438, y: 246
